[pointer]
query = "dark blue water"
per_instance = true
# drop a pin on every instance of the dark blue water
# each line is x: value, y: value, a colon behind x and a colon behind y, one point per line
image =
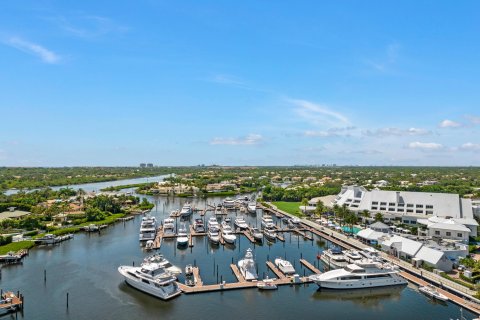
x: 86, y: 268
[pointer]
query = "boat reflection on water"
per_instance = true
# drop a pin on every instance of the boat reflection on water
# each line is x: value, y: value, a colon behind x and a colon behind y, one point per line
x: 366, y: 297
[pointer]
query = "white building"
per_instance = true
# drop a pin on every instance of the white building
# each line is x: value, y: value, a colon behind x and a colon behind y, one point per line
x: 410, y: 206
x: 454, y: 229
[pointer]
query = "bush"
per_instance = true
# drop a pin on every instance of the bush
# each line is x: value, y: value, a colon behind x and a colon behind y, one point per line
x: 5, y: 240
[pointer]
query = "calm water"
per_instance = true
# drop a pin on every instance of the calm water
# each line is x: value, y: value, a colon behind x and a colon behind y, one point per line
x: 86, y: 267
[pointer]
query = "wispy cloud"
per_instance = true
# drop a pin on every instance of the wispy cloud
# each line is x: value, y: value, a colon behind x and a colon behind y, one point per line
x: 390, y: 58
x: 449, y: 124
x: 251, y: 139
x: 35, y: 49
x: 391, y: 131
x: 319, y: 114
x: 226, y: 79
x: 332, y: 132
x: 425, y: 146
x: 473, y: 119
x: 469, y: 146
x: 88, y: 26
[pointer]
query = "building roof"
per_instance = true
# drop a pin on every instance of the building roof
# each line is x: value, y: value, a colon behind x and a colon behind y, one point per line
x: 379, y: 225
x: 449, y: 226
x: 370, y: 234
x: 429, y: 255
x: 407, y: 246
x: 13, y: 214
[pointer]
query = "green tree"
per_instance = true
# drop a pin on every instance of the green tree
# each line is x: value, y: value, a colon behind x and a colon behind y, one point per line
x: 95, y: 214
x: 378, y: 217
x: 304, y: 203
x: 365, y: 214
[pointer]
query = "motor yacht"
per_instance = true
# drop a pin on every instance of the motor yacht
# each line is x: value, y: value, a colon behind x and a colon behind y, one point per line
x: 186, y: 210
x: 240, y: 223
x: 182, y: 236
x: 163, y: 262
x: 352, y: 256
x: 213, y: 235
x: 149, y: 245
x: 227, y: 233
x: 148, y: 228
x: 151, y: 278
x: 199, y: 226
x: 363, y: 274
x: 252, y: 207
x: 267, y: 221
x: 256, y: 234
x: 213, y: 223
x: 432, y: 292
x: 284, y: 266
x: 270, y: 233
x: 247, y: 266
x: 334, y: 258
x: 169, y: 226
x: 229, y: 203
x: 267, y: 284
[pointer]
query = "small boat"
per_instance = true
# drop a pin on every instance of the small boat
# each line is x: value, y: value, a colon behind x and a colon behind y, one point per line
x: 296, y: 221
x: 188, y: 270
x: 174, y: 213
x: 47, y: 239
x: 240, y: 223
x: 256, y: 234
x: 91, y: 228
x: 149, y: 245
x: 247, y: 266
x: 270, y: 233
x: 252, y: 207
x: 199, y: 227
x: 432, y: 292
x: 227, y: 219
x: 182, y: 236
x: 284, y: 266
x: 213, y: 235
x: 267, y: 284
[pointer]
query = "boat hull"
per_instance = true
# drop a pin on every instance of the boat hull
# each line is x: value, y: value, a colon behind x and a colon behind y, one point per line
x: 164, y: 293
x: 360, y: 284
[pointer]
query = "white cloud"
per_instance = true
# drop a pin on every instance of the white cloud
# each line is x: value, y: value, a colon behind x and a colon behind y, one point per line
x: 319, y: 114
x: 87, y: 26
x: 226, y: 79
x: 382, y: 132
x: 426, y: 146
x: 43, y: 53
x: 250, y: 139
x: 470, y: 146
x: 473, y: 119
x: 391, y: 57
x: 332, y: 132
x: 449, y: 124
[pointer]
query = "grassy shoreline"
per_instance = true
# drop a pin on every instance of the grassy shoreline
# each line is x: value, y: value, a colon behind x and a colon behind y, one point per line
x: 16, y: 246
x: 289, y: 207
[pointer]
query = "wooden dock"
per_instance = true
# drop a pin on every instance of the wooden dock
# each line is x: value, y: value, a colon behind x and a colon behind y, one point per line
x: 310, y: 266
x: 249, y: 236
x: 196, y: 276
x: 11, y: 302
x: 157, y: 243
x: 275, y: 270
x: 237, y: 273
x: 280, y: 237
x: 303, y: 233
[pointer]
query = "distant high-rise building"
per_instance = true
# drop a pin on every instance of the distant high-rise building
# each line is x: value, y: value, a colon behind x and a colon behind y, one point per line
x: 149, y: 165
x: 142, y: 165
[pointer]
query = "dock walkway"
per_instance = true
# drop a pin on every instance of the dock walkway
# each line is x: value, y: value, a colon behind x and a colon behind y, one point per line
x: 237, y: 273
x: 310, y: 266
x: 275, y: 270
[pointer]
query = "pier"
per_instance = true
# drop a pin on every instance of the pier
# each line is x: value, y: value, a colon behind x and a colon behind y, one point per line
x: 248, y: 235
x: 310, y: 266
x: 237, y: 273
x: 157, y: 243
x: 275, y: 270
x: 11, y: 302
x: 196, y: 276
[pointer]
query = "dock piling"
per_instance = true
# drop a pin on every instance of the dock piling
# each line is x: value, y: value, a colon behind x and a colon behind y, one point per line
x: 44, y: 275
x: 67, y: 300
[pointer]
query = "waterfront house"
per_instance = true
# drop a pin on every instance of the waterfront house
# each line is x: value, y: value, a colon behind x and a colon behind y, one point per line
x: 11, y: 213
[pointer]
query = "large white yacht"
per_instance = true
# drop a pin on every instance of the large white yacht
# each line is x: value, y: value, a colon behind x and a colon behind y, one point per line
x: 227, y: 233
x: 252, y: 207
x: 240, y: 223
x: 363, y: 274
x: 247, y: 266
x: 213, y: 235
x: 334, y: 258
x: 148, y: 228
x: 352, y: 256
x: 163, y: 262
x: 168, y: 226
x: 186, y: 210
x: 267, y: 221
x: 182, y: 236
x: 213, y: 223
x: 151, y: 278
x: 284, y: 266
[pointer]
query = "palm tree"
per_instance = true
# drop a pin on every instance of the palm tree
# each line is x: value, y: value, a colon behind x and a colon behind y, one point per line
x: 335, y: 210
x: 304, y: 203
x: 320, y: 208
x: 365, y: 214
x: 379, y: 217
x: 351, y: 219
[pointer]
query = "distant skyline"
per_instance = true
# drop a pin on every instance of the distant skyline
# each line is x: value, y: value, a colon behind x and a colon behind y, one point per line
x: 239, y: 83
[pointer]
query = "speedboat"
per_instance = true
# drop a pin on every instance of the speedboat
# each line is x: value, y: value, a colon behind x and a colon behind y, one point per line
x: 364, y: 274
x: 296, y: 220
x: 229, y: 203
x: 240, y: 223
x: 163, y: 262
x: 432, y: 292
x: 199, y: 227
x: 267, y: 221
x: 182, y: 236
x: 213, y: 235
x: 186, y: 210
x: 247, y: 266
x: 270, y: 233
x: 227, y: 234
x: 252, y: 207
x: 284, y: 266
x: 188, y: 270
x: 151, y: 278
x: 256, y: 234
x: 47, y: 239
x: 213, y: 223
x: 149, y: 245
x: 267, y: 284
x: 169, y: 226
x: 334, y: 258
x: 174, y: 213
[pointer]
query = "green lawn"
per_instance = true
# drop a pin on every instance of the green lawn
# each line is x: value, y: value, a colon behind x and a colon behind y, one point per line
x: 15, y: 246
x: 290, y: 207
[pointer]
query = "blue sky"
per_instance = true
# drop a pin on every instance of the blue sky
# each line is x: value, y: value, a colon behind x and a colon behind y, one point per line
x: 239, y: 83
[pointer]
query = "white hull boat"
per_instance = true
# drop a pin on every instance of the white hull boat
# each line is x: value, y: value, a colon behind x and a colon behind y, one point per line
x: 284, y: 266
x: 432, y: 292
x: 247, y: 266
x: 267, y: 284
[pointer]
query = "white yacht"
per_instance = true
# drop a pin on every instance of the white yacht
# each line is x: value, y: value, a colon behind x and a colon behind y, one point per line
x: 267, y: 221
x: 240, y: 223
x: 227, y: 233
x: 432, y: 291
x: 229, y: 203
x: 186, y: 210
x: 213, y: 223
x: 364, y: 274
x: 182, y: 236
x: 352, y: 256
x: 252, y: 207
x: 270, y: 233
x: 169, y: 226
x: 247, y: 266
x: 148, y: 228
x: 256, y: 234
x: 213, y: 235
x: 334, y: 258
x: 284, y: 266
x: 151, y: 278
x: 163, y: 262
x: 199, y: 227
x: 267, y: 284
x: 370, y: 253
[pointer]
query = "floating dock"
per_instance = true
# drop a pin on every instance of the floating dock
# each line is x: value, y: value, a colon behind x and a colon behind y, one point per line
x: 310, y: 266
x: 275, y: 270
x: 11, y: 302
x: 237, y: 273
x: 157, y: 243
